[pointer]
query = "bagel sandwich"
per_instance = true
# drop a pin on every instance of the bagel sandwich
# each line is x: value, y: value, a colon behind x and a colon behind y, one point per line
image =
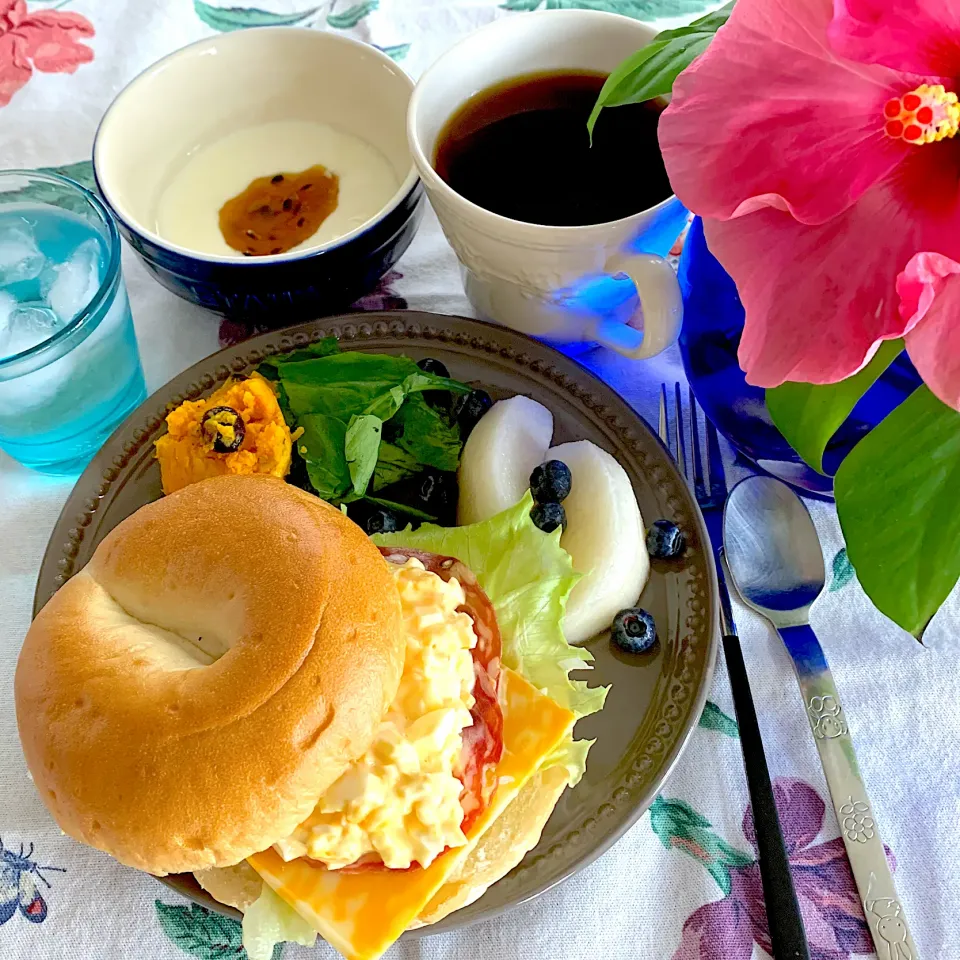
x: 336, y: 736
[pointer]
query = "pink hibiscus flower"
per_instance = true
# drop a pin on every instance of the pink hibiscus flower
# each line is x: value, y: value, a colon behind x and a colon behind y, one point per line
x: 48, y: 38
x: 815, y: 137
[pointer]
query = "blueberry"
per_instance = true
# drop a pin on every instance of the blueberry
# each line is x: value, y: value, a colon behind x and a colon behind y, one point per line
x: 437, y: 492
x: 633, y: 630
x: 550, y: 482
x: 429, y: 365
x: 470, y: 408
x: 381, y: 521
x: 548, y: 516
x: 664, y: 540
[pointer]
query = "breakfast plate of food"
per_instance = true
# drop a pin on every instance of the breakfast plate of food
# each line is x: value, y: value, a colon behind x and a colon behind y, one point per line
x: 372, y: 627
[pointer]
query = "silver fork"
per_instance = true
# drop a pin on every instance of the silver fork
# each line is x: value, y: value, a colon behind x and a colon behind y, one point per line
x: 706, y: 475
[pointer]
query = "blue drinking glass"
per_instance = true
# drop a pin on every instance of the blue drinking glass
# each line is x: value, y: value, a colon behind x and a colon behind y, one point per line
x: 712, y: 326
x: 69, y: 364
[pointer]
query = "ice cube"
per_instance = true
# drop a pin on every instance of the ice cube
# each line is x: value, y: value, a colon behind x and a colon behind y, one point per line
x: 25, y: 325
x: 8, y: 303
x: 20, y: 257
x: 73, y: 284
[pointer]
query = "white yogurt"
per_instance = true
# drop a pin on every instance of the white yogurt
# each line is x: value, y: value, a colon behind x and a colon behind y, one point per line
x: 188, y: 210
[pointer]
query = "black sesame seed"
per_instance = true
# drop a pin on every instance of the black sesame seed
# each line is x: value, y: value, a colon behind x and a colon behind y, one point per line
x: 287, y: 204
x: 306, y: 186
x: 251, y: 235
x: 265, y: 209
x: 300, y: 222
x: 277, y: 179
x: 275, y: 250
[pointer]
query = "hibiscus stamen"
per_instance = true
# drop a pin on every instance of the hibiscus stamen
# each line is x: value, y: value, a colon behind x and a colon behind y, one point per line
x: 924, y: 115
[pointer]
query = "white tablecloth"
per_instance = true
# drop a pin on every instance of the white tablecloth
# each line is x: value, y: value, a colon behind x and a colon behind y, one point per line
x: 683, y: 883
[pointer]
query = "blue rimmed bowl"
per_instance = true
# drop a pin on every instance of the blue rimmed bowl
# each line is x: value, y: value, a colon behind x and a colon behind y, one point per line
x: 209, y: 90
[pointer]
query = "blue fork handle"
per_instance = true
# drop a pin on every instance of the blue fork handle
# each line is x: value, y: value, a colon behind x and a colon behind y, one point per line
x: 788, y: 939
x: 858, y: 826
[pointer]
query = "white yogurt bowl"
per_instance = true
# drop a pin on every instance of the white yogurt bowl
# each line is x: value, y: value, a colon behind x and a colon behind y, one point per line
x: 211, y: 91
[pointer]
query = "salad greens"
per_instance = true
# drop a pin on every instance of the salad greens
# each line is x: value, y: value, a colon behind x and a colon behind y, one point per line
x: 269, y: 920
x: 528, y: 577
x: 343, y: 402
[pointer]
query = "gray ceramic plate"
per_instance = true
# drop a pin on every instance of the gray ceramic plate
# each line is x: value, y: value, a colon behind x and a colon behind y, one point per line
x: 656, y: 699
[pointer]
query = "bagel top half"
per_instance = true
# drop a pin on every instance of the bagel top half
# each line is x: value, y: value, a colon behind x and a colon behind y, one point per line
x: 224, y: 656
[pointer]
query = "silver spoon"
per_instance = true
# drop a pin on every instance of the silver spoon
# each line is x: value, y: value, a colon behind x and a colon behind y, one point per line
x: 773, y: 555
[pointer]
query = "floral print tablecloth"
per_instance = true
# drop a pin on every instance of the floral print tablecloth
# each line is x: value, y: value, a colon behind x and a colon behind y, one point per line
x: 684, y: 883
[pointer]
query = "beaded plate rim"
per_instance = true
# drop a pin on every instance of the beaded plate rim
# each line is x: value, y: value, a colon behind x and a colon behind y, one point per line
x: 677, y: 711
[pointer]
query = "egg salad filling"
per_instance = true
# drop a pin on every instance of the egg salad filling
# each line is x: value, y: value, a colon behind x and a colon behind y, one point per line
x: 401, y: 800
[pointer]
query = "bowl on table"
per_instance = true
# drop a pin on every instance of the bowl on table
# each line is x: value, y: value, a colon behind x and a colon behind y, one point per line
x: 193, y: 131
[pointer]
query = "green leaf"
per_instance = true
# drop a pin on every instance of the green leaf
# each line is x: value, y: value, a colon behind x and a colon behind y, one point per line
x: 393, y: 465
x: 651, y: 71
x: 226, y: 19
x: 326, y: 347
x: 342, y: 400
x: 425, y: 434
x: 638, y: 9
x: 678, y: 826
x: 396, y: 51
x: 713, y: 718
x: 402, y: 508
x: 809, y: 414
x: 361, y: 446
x: 81, y: 172
x: 843, y: 571
x: 352, y: 16
x: 199, y: 932
x: 323, y: 448
x: 897, y: 499
x: 47, y: 193
x: 528, y: 577
x: 268, y: 922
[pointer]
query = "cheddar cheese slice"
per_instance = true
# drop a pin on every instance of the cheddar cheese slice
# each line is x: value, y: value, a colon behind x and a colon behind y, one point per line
x: 361, y: 914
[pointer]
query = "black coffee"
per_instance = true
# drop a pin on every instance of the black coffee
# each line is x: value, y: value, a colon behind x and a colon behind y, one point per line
x: 521, y: 149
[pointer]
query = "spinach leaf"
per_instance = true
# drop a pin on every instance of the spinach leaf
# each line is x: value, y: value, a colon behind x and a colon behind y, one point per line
x: 427, y: 435
x: 402, y: 508
x: 322, y: 446
x: 361, y: 446
x: 342, y: 401
x: 270, y: 367
x: 393, y: 465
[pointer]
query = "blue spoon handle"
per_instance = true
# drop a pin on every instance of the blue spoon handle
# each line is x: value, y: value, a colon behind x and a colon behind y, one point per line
x: 858, y: 825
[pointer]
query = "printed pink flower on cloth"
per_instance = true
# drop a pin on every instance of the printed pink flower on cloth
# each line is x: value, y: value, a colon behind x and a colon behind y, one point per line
x: 816, y: 139
x: 47, y: 39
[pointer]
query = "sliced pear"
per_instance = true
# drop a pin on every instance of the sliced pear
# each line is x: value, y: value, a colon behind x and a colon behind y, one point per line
x: 507, y: 443
x: 604, y: 537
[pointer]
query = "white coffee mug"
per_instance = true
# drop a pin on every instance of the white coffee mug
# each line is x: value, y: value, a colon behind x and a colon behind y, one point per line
x: 525, y: 275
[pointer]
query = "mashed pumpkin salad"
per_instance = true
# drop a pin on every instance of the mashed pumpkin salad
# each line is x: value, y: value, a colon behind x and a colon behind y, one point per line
x: 238, y: 430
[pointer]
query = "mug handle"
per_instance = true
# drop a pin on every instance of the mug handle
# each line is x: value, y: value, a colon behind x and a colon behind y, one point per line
x: 661, y: 307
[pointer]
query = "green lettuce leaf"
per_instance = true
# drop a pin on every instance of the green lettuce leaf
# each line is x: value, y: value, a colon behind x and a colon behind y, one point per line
x: 269, y: 921
x: 528, y: 577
